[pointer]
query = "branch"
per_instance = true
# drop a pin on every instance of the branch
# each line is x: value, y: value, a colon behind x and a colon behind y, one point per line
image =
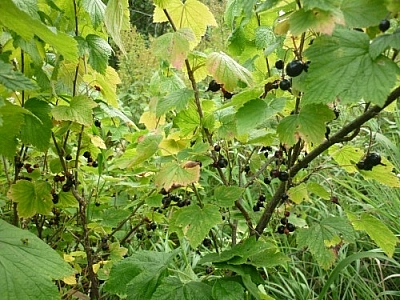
x: 336, y: 138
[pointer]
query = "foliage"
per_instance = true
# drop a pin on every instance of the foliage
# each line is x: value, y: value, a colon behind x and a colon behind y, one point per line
x: 203, y: 168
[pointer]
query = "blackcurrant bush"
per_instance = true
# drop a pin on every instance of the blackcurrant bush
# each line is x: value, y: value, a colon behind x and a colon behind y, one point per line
x: 284, y: 221
x: 206, y: 242
x: 97, y: 123
x: 279, y: 64
x: 213, y: 86
x: 267, y: 180
x: 290, y: 227
x: 285, y: 84
x: 283, y: 176
x: 281, y: 229
x: 384, y: 25
x: 68, y: 157
x: 222, y: 162
x: 294, y: 68
x: 217, y: 148
x: 86, y: 154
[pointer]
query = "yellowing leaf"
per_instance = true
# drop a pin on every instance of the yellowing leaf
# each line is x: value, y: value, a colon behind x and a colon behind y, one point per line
x: 68, y: 258
x: 346, y: 156
x: 71, y: 280
x: 174, y: 46
x: 150, y: 120
x: 298, y: 193
x: 227, y: 71
x: 191, y: 14
x: 174, y: 175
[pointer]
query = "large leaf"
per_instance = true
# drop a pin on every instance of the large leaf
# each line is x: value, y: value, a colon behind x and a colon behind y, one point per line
x: 14, y: 80
x: 96, y: 10
x: 32, y: 197
x: 174, y: 175
x: 384, y: 41
x: 11, y: 17
x: 309, y: 124
x: 116, y: 18
x: 99, y: 52
x: 28, y: 266
x: 341, y: 68
x: 328, y: 233
x: 177, y: 99
x: 227, y: 71
x: 174, y: 46
x: 363, y: 13
x: 139, y: 275
x: 79, y: 111
x: 195, y: 222
x: 173, y: 288
x: 227, y: 195
x: 37, y: 126
x: 227, y: 290
x: 191, y: 14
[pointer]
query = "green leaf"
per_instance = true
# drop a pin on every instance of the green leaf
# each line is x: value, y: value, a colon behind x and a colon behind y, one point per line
x: 79, y: 111
x: 13, y: 119
x: 195, y: 222
x: 322, y: 4
x: 382, y: 174
x: 340, y: 63
x: 32, y: 197
x: 37, y: 126
x: 346, y: 156
x: 309, y: 125
x: 363, y: 13
x: 96, y: 10
x: 14, y: 80
x: 173, y: 175
x: 226, y: 71
x: 327, y: 233
x: 319, y: 190
x: 227, y: 290
x: 28, y: 266
x: 256, y: 112
x: 116, y: 18
x: 384, y: 41
x: 299, y: 193
x: 162, y: 3
x: 192, y: 14
x: 173, y: 288
x: 264, y: 37
x: 187, y: 120
x: 11, y: 17
x: 377, y: 231
x: 177, y: 99
x: 139, y: 275
x: 226, y: 196
x: 99, y: 52
x: 174, y: 46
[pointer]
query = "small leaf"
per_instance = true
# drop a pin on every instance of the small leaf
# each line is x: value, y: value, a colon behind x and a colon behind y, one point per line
x: 22, y: 255
x: 226, y: 196
x: 99, y: 52
x: 173, y: 288
x: 264, y: 37
x: 195, y: 222
x: 377, y: 231
x: 226, y: 71
x: 173, y: 175
x: 32, y: 197
x: 79, y: 111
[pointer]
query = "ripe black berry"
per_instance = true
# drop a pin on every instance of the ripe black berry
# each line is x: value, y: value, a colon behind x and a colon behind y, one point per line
x: 206, y: 242
x: 284, y: 221
x: 290, y: 227
x: 213, y: 86
x: 228, y: 95
x: 266, y: 154
x: 247, y: 169
x: 373, y: 158
x: 66, y: 188
x: 187, y: 202
x: 294, y: 68
x: 97, y: 203
x: 281, y: 229
x: 267, y: 180
x: 55, y: 198
x: 283, y: 176
x: 166, y: 201
x: 68, y: 157
x: 279, y: 64
x: 97, y: 123
x: 153, y: 226
x: 285, y: 84
x: 222, y: 162
x: 278, y: 154
x: 95, y: 164
x: 384, y: 25
x: 181, y: 203
x: 256, y: 208
x: 86, y: 154
x: 262, y: 198
x: 274, y: 173
x: 175, y: 198
x: 139, y: 235
x: 285, y: 197
x: 217, y: 148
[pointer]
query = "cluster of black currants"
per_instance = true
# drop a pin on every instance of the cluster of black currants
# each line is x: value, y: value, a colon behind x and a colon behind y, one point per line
x: 293, y: 69
x: 28, y: 167
x: 104, y: 243
x: 222, y: 162
x: 90, y: 161
x: 260, y: 203
x: 55, y: 220
x: 371, y: 160
x: 286, y: 227
x: 167, y: 201
x: 68, y: 185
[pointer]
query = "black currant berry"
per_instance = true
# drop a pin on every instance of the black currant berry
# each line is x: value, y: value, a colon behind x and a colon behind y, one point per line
x: 285, y: 197
x: 97, y: 123
x: 247, y: 169
x: 284, y: 221
x: 274, y: 173
x: 55, y: 198
x: 217, y: 148
x: 384, y: 25
x: 97, y: 203
x: 267, y: 180
x: 335, y: 199
x: 256, y: 208
x: 287, y: 213
x: 213, y: 86
x: 281, y: 229
x: 285, y: 84
x: 283, y: 176
x: 290, y: 227
x: 66, y: 188
x: 279, y: 64
x: 95, y: 164
x: 181, y: 203
x: 373, y: 158
x: 187, y: 202
x: 166, y: 201
x: 294, y: 68
x: 260, y: 204
x: 139, y: 235
x: 222, y: 162
x: 361, y: 165
x: 68, y: 157
x: 266, y: 153
x: 278, y: 154
x: 262, y: 198
x: 153, y: 226
x: 86, y: 154
x: 175, y: 198
x: 206, y: 242
x: 228, y: 95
